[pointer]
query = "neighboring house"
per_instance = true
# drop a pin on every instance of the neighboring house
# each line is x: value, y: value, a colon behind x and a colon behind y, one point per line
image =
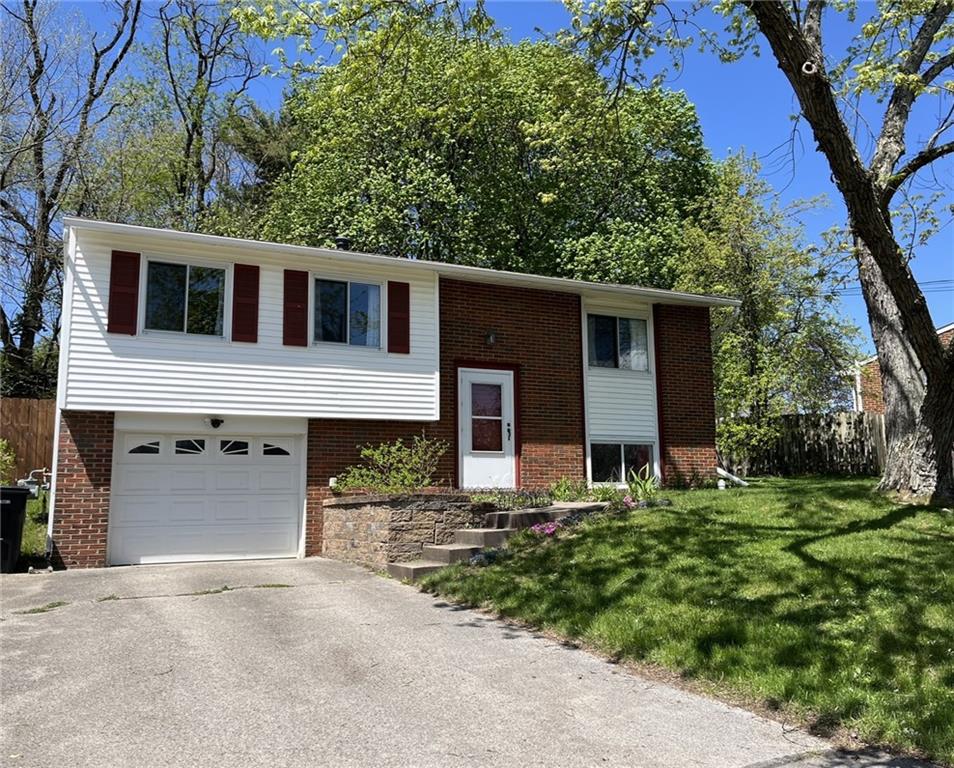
x: 868, y: 392
x: 210, y: 388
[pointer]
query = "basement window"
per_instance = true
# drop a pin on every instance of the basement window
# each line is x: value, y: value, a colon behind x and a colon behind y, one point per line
x: 612, y: 462
x: 617, y: 342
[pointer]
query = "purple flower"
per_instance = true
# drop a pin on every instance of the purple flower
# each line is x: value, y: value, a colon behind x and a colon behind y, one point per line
x: 628, y: 501
x: 546, y: 529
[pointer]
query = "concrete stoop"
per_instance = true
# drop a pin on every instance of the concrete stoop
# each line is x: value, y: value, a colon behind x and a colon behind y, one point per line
x: 498, y: 527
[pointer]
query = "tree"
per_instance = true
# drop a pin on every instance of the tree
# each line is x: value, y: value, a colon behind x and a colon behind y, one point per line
x: 899, y: 56
x: 55, y: 97
x: 786, y: 349
x: 164, y: 159
x: 469, y: 150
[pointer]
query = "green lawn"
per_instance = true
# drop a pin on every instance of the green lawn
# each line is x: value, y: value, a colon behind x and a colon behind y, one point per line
x: 813, y: 596
x: 33, y: 545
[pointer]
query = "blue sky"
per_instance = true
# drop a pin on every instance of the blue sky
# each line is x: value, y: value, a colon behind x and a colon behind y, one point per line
x: 746, y: 105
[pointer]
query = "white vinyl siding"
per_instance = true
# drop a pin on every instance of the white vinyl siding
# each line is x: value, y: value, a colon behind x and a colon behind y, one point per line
x: 620, y: 404
x: 172, y: 373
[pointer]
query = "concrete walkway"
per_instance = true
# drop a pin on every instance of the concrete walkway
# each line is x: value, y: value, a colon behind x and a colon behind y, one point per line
x: 148, y: 667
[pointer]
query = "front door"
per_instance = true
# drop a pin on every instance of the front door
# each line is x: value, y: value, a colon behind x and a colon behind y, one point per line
x: 486, y: 433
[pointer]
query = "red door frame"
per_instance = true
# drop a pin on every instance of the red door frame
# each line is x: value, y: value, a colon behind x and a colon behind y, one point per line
x: 487, y: 365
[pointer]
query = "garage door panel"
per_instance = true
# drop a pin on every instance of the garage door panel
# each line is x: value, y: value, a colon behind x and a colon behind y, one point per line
x: 137, y: 511
x: 139, y: 480
x: 275, y: 509
x: 186, y: 480
x: 232, y: 480
x: 213, y: 505
x: 277, y: 479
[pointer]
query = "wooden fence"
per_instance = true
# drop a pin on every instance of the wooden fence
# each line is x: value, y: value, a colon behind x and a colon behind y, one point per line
x: 824, y: 444
x: 27, y: 425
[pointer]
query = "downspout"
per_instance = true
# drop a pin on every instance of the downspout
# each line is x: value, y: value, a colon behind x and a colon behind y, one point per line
x: 660, y: 431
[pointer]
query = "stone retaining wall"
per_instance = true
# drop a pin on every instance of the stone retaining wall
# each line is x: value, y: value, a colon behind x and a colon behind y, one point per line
x: 376, y: 530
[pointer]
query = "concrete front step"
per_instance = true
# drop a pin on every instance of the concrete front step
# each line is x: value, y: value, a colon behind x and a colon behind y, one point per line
x: 483, y: 537
x: 414, y: 570
x: 449, y: 553
x: 524, y: 518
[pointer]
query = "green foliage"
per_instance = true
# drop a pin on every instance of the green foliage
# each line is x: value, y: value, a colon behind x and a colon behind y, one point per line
x: 643, y: 485
x: 8, y: 463
x: 480, y: 152
x: 608, y: 493
x: 505, y: 500
x: 395, y: 467
x: 786, y: 349
x: 815, y: 595
x: 568, y: 489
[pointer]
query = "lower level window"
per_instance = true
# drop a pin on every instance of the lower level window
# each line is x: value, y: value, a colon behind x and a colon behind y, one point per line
x: 612, y: 462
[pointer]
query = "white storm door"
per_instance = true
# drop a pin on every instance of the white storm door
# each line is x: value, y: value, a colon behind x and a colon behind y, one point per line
x: 486, y: 430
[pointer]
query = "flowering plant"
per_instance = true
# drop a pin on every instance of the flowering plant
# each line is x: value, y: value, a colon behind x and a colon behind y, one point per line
x: 628, y: 501
x: 546, y: 529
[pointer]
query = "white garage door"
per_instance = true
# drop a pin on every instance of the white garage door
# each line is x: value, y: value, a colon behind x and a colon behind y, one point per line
x: 182, y: 497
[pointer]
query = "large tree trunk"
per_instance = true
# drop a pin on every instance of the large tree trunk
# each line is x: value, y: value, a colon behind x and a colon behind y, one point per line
x: 916, y: 431
x: 919, y: 374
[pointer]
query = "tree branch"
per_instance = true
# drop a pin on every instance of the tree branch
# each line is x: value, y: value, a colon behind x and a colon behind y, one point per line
x: 799, y: 59
x: 915, y: 164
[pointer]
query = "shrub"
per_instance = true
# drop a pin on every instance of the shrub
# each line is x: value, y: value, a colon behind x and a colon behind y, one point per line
x: 8, y: 462
x: 505, y: 500
x: 643, y: 485
x: 567, y: 489
x: 395, y: 467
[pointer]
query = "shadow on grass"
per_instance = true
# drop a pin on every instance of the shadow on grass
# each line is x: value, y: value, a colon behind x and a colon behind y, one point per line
x: 816, y: 594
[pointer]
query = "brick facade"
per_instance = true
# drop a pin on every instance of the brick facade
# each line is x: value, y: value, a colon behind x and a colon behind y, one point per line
x: 685, y: 391
x: 872, y: 390
x: 537, y: 333
x: 83, y: 479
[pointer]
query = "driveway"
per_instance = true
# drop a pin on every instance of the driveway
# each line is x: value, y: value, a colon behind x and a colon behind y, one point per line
x: 155, y: 666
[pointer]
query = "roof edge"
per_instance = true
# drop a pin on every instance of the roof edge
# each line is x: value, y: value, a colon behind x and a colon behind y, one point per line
x: 460, y: 271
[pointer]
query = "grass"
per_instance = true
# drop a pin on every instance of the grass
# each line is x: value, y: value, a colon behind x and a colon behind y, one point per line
x: 815, y: 597
x: 44, y: 608
x: 33, y: 544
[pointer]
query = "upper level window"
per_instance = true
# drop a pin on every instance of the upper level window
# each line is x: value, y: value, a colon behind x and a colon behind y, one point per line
x: 617, y: 342
x: 185, y: 298
x: 348, y: 313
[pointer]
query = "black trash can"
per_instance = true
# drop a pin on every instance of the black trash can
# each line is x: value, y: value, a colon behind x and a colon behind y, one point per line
x: 13, y: 503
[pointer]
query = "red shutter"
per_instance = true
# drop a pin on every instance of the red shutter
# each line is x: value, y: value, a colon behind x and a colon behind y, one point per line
x: 123, y: 312
x: 245, y: 303
x: 295, y: 321
x: 399, y: 317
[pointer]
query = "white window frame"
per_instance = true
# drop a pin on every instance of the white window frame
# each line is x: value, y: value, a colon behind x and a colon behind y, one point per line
x: 348, y: 280
x: 226, y: 335
x: 622, y: 441
x: 618, y: 317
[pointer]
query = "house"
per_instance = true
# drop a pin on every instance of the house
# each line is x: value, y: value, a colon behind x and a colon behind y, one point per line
x: 868, y: 394
x: 211, y: 388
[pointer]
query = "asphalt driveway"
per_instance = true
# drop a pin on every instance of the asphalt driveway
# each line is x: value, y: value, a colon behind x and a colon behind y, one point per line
x: 157, y: 666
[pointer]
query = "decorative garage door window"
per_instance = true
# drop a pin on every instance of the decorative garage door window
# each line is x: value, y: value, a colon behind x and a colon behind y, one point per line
x: 272, y: 449
x: 151, y: 447
x: 190, y: 446
x: 234, y: 447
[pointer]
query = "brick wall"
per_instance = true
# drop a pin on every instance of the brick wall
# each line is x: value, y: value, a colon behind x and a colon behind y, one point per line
x: 83, y: 477
x: 872, y: 393
x: 685, y: 388
x: 872, y: 390
x: 538, y: 332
